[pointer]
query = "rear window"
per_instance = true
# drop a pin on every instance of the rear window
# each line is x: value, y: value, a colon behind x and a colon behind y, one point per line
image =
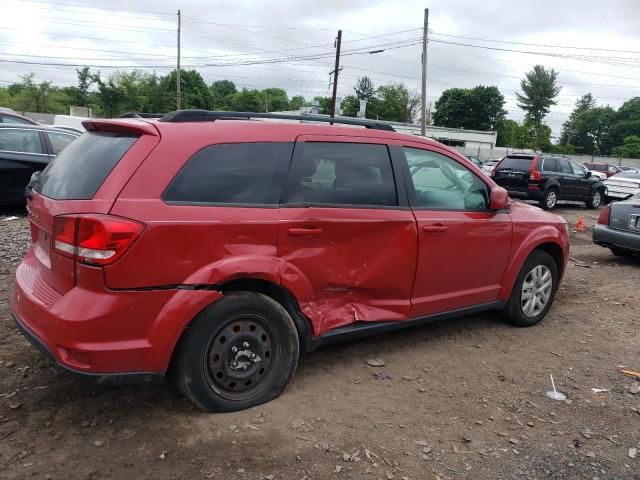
x: 240, y: 174
x: 519, y: 164
x: 80, y: 169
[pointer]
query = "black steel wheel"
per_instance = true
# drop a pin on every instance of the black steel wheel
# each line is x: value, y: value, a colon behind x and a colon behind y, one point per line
x: 241, y: 351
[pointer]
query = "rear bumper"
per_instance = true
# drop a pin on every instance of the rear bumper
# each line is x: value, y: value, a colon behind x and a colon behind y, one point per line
x: 529, y: 193
x: 129, y: 378
x: 99, y: 333
x: 610, y: 237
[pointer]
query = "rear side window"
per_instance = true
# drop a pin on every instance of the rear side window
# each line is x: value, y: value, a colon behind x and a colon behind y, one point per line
x: 20, y: 140
x: 59, y: 141
x: 518, y: 164
x: 550, y: 165
x: 564, y: 166
x: 341, y: 174
x: 80, y: 169
x: 239, y: 173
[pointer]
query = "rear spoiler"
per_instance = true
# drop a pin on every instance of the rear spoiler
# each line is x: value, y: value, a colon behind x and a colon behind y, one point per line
x: 121, y: 126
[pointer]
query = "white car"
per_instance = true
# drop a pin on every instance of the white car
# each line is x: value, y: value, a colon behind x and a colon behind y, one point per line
x: 489, y: 165
x: 596, y: 174
x: 622, y: 185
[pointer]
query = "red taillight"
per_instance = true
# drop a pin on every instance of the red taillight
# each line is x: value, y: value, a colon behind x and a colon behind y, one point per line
x: 605, y: 216
x: 94, y: 239
x: 533, y: 173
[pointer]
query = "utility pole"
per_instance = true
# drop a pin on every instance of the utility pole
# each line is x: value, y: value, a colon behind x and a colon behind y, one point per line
x: 425, y: 33
x: 178, y: 94
x: 335, y: 72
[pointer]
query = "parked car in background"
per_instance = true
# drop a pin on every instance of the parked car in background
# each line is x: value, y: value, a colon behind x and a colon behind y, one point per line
x: 9, y: 116
x: 274, y: 237
x: 622, y: 186
x: 618, y: 227
x: 606, y: 168
x: 548, y: 179
x: 627, y: 168
x: 489, y: 165
x: 475, y: 160
x: 25, y: 149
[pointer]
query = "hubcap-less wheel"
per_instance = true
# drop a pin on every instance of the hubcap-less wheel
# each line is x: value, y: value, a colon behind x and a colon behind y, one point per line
x: 552, y: 199
x: 536, y: 290
x: 240, y: 356
x: 596, y: 199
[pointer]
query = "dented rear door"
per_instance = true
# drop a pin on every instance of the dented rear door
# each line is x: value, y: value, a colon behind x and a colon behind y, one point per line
x: 346, y: 233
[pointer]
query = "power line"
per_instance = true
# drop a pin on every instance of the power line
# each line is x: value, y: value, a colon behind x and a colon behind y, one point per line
x: 536, y: 44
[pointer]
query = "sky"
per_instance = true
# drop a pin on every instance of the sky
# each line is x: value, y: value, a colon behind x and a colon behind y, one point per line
x: 594, y: 45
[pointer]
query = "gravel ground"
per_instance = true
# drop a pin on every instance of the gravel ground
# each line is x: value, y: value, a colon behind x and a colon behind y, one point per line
x: 461, y: 399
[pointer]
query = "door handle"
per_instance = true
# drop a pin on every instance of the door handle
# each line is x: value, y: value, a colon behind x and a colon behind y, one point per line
x: 437, y: 228
x: 304, y: 232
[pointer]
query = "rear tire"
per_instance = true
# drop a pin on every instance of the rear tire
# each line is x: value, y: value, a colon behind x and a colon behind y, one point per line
x: 550, y: 199
x: 595, y: 200
x: 538, y: 271
x: 241, y: 351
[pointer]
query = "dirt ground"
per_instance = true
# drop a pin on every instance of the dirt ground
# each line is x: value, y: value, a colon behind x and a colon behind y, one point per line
x: 461, y: 399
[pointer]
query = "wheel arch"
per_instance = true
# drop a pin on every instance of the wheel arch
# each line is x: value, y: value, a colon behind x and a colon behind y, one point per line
x: 281, y: 295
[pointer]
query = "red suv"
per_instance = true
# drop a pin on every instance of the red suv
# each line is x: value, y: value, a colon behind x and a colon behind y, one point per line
x: 221, y: 248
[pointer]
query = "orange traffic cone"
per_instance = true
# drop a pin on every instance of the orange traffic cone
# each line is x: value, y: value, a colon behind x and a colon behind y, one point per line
x: 580, y: 224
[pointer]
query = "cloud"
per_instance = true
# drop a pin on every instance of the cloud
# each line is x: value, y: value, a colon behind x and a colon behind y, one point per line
x: 142, y: 34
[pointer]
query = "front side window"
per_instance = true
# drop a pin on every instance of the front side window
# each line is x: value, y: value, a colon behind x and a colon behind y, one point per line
x: 237, y: 173
x: 19, y: 140
x: 577, y: 169
x: 59, y: 141
x: 441, y: 183
x: 333, y: 173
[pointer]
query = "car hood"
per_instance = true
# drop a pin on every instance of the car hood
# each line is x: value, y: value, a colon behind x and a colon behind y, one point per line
x: 531, y: 212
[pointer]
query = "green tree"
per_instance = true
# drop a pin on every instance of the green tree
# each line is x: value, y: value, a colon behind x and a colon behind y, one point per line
x: 507, y: 133
x: 568, y: 134
x: 630, y: 148
x: 274, y: 99
x: 627, y: 122
x: 247, y: 101
x: 222, y: 92
x: 297, y: 102
x: 350, y: 106
x: 539, y: 90
x: 364, y: 89
x: 596, y: 124
x: 324, y: 105
x: 478, y: 108
x: 193, y: 89
x: 396, y: 104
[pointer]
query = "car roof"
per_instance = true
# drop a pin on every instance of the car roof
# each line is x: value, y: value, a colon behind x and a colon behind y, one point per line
x: 17, y: 115
x: 227, y: 130
x: 36, y: 127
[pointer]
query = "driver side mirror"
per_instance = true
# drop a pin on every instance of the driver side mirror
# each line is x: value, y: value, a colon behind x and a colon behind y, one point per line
x: 587, y: 174
x: 499, y: 199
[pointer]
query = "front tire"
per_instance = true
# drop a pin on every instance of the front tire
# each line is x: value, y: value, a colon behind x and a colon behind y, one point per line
x: 534, y: 290
x: 241, y: 351
x: 595, y: 200
x: 550, y: 199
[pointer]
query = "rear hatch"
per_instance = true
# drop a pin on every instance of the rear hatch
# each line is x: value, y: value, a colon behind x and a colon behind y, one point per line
x: 85, y: 178
x: 513, y: 172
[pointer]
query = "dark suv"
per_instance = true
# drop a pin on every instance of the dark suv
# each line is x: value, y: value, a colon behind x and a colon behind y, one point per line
x: 221, y: 248
x: 548, y: 179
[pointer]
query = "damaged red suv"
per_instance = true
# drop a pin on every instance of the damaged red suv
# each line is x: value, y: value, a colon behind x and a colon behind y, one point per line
x: 220, y: 246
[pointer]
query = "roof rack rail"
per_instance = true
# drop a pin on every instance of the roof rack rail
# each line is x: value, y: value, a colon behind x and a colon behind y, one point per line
x: 209, y: 116
x: 141, y: 115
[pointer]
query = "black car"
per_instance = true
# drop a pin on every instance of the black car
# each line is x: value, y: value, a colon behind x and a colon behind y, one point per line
x: 548, y: 179
x: 618, y: 227
x: 25, y: 149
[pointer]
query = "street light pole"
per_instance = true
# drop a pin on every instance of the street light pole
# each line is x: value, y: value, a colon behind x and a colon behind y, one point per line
x: 335, y: 72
